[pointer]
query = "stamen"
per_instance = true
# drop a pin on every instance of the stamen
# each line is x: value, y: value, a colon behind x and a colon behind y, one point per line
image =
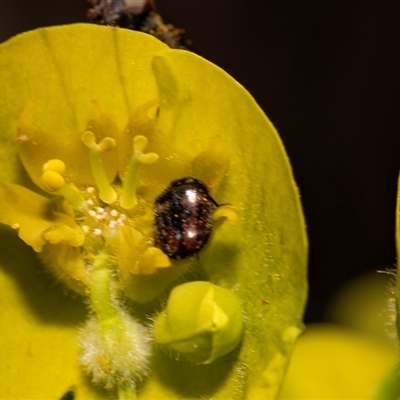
x: 54, y: 165
x: 106, y: 191
x: 128, y: 198
x: 114, y: 213
x: 72, y: 196
x: 97, y: 231
x: 54, y: 182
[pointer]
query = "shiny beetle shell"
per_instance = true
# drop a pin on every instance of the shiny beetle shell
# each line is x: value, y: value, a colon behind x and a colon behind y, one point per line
x: 183, y: 218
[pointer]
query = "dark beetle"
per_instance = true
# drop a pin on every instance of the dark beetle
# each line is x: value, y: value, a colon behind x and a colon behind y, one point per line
x: 183, y: 218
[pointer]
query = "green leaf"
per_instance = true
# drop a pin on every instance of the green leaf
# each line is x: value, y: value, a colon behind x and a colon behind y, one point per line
x: 261, y: 257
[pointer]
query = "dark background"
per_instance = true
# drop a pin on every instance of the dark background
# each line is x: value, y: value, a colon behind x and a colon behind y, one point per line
x: 327, y: 75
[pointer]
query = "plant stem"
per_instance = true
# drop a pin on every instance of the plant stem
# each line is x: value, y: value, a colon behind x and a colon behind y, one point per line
x: 113, y: 326
x: 126, y: 393
x: 101, y: 292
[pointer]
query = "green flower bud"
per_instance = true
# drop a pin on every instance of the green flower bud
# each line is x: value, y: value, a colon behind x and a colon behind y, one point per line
x: 200, y: 323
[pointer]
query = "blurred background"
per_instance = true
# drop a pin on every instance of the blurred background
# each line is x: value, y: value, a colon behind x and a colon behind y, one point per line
x: 327, y: 75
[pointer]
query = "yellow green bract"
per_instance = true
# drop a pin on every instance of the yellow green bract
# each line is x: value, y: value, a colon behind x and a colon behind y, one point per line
x: 75, y: 97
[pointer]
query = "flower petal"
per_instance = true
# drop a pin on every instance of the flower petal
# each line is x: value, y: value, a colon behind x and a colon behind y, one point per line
x: 34, y: 217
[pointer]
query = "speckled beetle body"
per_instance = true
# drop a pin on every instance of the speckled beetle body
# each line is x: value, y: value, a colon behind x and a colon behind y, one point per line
x: 183, y: 218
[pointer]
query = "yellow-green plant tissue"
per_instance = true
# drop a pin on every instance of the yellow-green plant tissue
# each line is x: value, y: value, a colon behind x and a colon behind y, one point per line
x: 95, y: 124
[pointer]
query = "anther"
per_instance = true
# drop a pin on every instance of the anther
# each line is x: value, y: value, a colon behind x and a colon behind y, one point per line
x: 54, y: 165
x: 112, y: 224
x: 54, y: 182
x: 114, y: 213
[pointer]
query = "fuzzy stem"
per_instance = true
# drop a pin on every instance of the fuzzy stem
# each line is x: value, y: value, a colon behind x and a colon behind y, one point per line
x: 126, y: 393
x: 120, y: 337
x: 101, y: 293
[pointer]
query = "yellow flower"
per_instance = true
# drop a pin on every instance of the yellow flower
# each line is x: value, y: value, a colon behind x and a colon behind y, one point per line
x: 102, y: 196
x: 104, y: 120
